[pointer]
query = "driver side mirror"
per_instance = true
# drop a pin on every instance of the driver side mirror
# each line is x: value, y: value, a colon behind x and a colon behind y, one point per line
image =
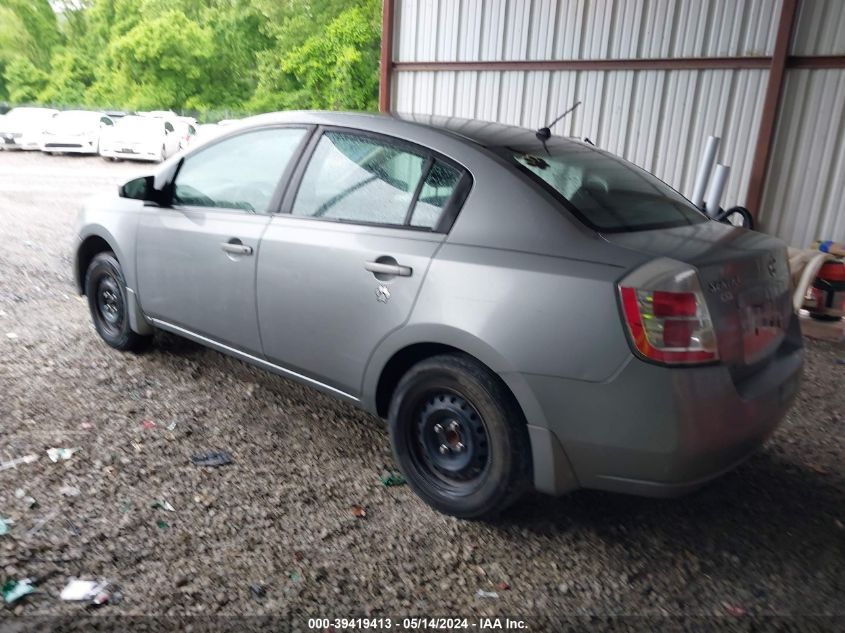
x: 142, y: 189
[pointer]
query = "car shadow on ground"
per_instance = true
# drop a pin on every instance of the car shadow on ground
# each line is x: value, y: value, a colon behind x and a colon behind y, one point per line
x: 770, y: 506
x: 770, y: 499
x: 167, y: 343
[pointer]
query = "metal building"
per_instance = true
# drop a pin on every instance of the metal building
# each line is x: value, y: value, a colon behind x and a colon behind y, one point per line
x: 656, y: 78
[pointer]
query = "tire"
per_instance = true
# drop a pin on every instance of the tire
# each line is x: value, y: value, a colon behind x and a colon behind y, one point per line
x: 454, y: 403
x: 105, y: 288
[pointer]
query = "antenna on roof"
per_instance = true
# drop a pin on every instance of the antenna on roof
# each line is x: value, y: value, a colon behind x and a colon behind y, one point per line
x: 545, y: 133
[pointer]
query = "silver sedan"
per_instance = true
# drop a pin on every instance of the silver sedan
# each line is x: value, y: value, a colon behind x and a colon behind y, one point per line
x: 527, y: 312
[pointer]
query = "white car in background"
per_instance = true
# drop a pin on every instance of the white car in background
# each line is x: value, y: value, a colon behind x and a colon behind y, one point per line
x: 206, y: 131
x: 186, y: 130
x: 169, y: 115
x: 75, y: 132
x: 21, y: 128
x: 140, y: 138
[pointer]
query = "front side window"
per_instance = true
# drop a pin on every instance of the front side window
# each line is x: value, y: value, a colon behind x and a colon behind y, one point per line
x: 359, y: 179
x: 241, y: 172
x: 607, y: 193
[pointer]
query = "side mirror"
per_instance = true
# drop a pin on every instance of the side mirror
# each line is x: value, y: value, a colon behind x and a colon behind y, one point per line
x: 141, y: 189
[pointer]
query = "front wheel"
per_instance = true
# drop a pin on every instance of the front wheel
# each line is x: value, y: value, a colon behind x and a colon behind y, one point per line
x: 459, y: 437
x: 105, y: 288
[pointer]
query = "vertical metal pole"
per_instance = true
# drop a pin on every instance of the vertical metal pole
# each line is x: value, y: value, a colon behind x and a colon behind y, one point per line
x: 717, y: 188
x: 386, y: 65
x: 704, y: 169
x: 765, y: 134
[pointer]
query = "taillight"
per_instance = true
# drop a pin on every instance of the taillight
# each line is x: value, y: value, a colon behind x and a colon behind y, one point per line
x: 666, y: 314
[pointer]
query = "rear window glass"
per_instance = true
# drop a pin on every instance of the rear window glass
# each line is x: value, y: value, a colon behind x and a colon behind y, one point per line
x: 605, y: 192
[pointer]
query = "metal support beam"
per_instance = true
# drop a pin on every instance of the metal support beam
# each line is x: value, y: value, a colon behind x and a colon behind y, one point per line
x: 676, y: 63
x: 386, y: 65
x: 771, y: 103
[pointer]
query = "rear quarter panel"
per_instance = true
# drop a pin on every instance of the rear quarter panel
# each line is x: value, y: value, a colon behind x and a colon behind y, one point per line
x: 540, y: 314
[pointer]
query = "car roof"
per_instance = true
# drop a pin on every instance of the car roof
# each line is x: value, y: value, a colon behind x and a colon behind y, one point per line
x: 483, y: 133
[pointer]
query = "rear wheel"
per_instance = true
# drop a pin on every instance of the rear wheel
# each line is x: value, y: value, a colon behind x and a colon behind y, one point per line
x: 105, y: 288
x: 459, y: 437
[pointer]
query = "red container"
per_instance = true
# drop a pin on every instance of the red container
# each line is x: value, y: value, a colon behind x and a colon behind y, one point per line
x: 828, y: 292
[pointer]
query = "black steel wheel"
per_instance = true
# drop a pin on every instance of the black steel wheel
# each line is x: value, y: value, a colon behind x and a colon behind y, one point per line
x: 459, y: 437
x: 107, y: 301
x: 452, y: 447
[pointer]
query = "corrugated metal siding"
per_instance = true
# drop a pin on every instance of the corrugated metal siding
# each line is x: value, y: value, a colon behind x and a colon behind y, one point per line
x: 496, y: 30
x: 804, y: 199
x: 657, y: 119
x: 820, y: 29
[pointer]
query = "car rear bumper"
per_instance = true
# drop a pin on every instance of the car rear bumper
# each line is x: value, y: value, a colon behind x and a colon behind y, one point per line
x: 154, y: 156
x: 656, y: 431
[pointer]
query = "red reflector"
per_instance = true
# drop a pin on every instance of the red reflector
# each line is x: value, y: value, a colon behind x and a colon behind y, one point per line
x: 674, y: 304
x: 677, y: 333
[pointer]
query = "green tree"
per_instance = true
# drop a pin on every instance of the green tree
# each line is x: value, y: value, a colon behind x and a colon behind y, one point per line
x: 39, y: 21
x: 24, y: 80
x: 335, y: 68
x: 159, y: 63
x: 71, y: 74
x: 28, y: 30
x: 202, y: 55
x: 324, y: 56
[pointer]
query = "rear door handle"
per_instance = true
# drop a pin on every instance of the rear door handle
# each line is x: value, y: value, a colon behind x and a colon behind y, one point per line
x: 236, y: 248
x: 389, y: 269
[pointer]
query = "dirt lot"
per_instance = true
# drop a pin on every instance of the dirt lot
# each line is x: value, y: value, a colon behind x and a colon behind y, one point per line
x: 767, y: 539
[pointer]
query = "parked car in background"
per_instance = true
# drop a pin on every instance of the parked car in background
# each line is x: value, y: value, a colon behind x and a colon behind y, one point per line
x: 523, y: 310
x: 186, y: 130
x: 140, y: 138
x: 207, y: 131
x: 75, y: 132
x: 21, y: 128
x: 170, y: 115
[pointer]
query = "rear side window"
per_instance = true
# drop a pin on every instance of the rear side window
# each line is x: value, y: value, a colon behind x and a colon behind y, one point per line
x: 607, y: 193
x: 359, y: 179
x: 241, y: 172
x: 436, y: 192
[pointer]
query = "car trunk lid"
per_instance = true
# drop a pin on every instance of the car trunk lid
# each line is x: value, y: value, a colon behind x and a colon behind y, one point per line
x: 745, y: 279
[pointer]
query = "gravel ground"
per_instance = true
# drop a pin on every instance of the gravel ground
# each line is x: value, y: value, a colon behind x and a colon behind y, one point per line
x: 767, y: 539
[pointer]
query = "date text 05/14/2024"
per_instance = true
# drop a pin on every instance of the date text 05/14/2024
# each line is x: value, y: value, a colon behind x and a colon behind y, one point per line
x: 418, y: 624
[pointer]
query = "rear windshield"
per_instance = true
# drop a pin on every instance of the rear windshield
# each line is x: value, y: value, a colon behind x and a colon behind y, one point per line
x: 140, y: 124
x: 608, y: 194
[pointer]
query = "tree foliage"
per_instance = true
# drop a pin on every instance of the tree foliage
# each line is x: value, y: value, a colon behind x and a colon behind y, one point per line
x: 197, y: 55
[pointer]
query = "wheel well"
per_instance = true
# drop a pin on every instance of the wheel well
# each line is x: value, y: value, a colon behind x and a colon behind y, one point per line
x: 90, y: 248
x: 406, y: 358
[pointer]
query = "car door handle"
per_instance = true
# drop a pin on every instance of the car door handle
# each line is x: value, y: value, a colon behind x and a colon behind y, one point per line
x: 236, y: 248
x: 389, y: 269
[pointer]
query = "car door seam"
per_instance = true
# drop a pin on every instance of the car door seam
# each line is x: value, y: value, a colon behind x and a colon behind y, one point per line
x: 405, y: 321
